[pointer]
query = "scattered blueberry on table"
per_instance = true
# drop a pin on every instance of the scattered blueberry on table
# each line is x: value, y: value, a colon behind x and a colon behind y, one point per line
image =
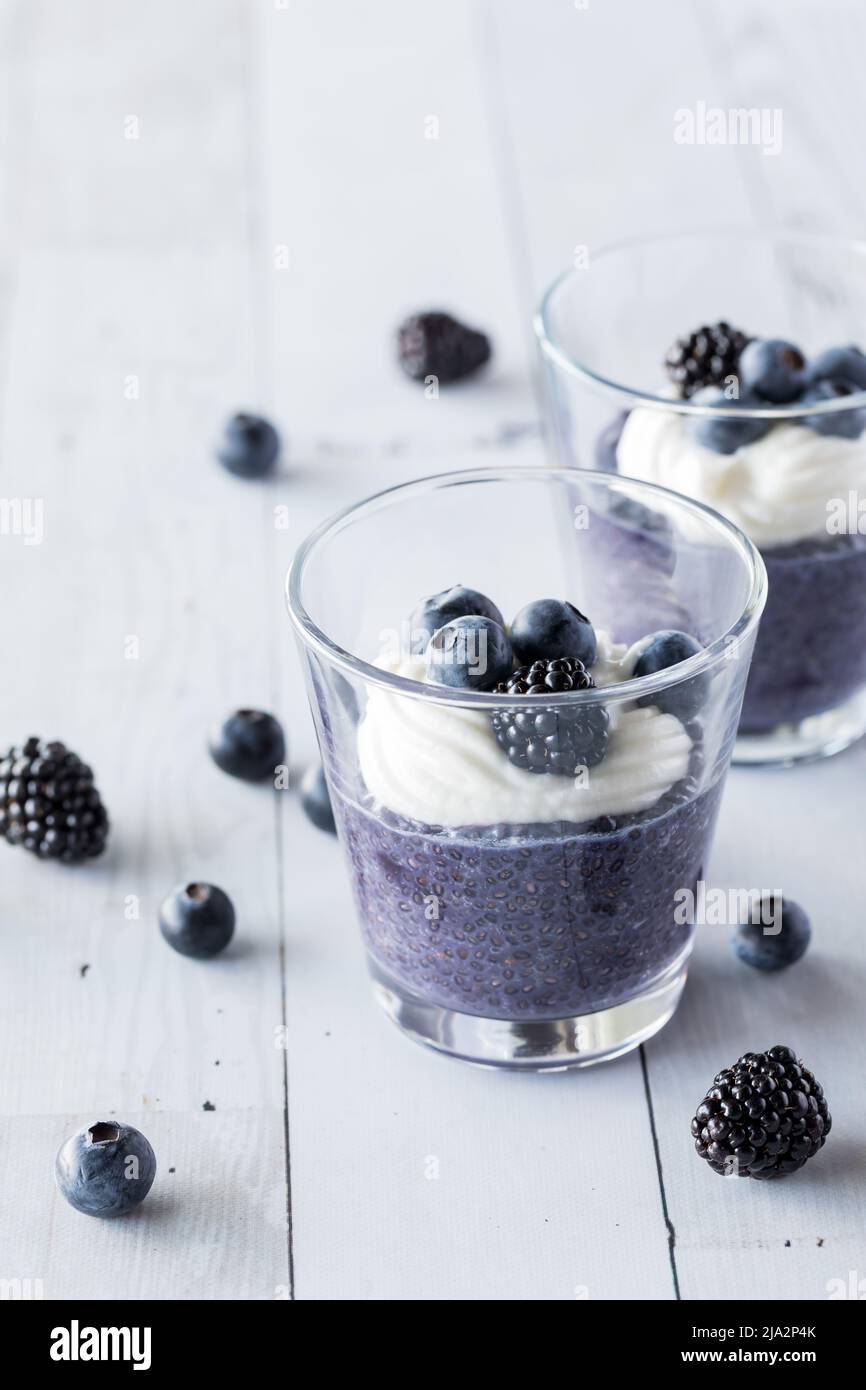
x: 250, y: 744
x: 776, y: 936
x: 316, y: 799
x: 106, y: 1169
x: 49, y: 803
x: 764, y: 1117
x: 250, y: 446
x: 435, y: 344
x: 197, y: 920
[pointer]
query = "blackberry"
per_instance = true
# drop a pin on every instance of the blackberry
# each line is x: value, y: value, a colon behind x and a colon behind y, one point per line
x: 705, y: 358
x: 762, y: 1118
x: 49, y: 804
x: 435, y: 344
x: 541, y: 739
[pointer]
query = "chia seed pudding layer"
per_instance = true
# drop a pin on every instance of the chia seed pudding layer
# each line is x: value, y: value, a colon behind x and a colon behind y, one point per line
x: 535, y: 922
x: 810, y: 655
x: 810, y: 651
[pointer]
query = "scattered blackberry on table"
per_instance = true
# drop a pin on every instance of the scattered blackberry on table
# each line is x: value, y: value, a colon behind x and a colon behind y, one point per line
x: 106, y: 1169
x: 541, y: 739
x: 764, y: 1117
x: 435, y: 344
x: 249, y: 744
x: 250, y: 446
x: 776, y: 936
x: 316, y: 799
x: 197, y: 920
x: 705, y: 358
x: 49, y: 803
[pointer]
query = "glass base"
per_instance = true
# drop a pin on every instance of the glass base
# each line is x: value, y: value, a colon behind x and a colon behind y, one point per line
x: 546, y: 1045
x: 818, y: 737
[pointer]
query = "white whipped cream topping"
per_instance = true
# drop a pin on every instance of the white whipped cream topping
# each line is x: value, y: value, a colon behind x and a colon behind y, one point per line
x: 776, y: 490
x: 441, y: 765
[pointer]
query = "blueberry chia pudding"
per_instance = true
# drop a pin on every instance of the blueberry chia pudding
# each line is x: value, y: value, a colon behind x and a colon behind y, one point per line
x: 523, y: 863
x: 792, y: 485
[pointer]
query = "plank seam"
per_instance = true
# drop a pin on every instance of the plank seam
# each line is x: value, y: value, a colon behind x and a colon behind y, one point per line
x: 672, y: 1235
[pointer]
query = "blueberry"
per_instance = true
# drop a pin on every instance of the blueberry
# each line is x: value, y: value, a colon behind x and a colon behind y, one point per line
x: 724, y: 435
x: 549, y: 629
x: 839, y: 364
x: 249, y: 447
x: 249, y: 744
x: 760, y: 944
x: 772, y: 369
x: 844, y: 424
x: 105, y: 1169
x: 316, y: 799
x: 198, y: 920
x: 664, y: 650
x: 469, y: 653
x: 456, y: 602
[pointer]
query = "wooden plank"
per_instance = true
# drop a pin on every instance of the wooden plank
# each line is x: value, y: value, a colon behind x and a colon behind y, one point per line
x: 133, y: 336
x: 594, y: 158
x: 379, y: 221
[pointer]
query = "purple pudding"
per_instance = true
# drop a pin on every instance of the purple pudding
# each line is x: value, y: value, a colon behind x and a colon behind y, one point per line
x: 556, y: 921
x: 810, y: 654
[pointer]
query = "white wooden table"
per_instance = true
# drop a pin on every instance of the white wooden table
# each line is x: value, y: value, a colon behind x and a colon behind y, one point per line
x: 219, y: 203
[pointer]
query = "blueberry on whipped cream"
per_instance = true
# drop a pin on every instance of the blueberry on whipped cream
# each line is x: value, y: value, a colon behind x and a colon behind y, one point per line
x: 725, y: 434
x: 847, y: 424
x: 772, y: 370
x: 542, y: 739
x: 658, y: 653
x: 550, y: 629
x: 839, y: 364
x: 471, y: 653
x: 456, y: 602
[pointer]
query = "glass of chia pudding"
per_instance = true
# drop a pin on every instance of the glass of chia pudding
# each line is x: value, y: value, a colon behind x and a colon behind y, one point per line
x: 729, y: 367
x: 526, y: 768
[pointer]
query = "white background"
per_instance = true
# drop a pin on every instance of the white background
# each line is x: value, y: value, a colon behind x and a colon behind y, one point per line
x: 140, y: 302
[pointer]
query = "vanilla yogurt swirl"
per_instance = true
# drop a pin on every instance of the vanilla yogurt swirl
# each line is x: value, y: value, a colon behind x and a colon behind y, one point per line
x: 439, y: 764
x: 776, y: 489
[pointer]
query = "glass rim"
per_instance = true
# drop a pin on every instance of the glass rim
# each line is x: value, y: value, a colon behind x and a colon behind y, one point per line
x: 656, y: 401
x: 313, y: 637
